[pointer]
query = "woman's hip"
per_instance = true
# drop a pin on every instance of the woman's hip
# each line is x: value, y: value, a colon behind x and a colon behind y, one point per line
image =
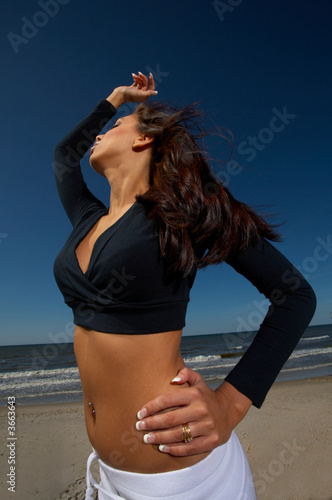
x: 223, y: 475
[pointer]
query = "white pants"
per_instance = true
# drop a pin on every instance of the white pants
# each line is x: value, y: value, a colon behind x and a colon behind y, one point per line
x: 223, y: 475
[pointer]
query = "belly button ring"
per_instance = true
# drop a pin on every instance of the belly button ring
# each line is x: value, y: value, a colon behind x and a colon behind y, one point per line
x: 93, y: 409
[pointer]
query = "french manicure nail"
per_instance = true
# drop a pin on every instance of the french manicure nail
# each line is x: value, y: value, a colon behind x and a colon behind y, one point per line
x: 164, y: 448
x: 142, y: 413
x: 140, y: 425
x: 146, y: 438
x: 177, y: 379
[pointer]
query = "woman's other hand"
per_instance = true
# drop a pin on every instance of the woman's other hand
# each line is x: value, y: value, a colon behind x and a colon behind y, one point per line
x: 141, y: 89
x: 211, y: 415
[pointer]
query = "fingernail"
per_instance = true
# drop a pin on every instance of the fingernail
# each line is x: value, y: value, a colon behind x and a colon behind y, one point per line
x: 140, y: 425
x: 133, y: 75
x: 156, y: 91
x: 163, y: 448
x: 149, y: 438
x: 150, y: 74
x: 177, y: 379
x: 142, y: 413
x: 140, y: 73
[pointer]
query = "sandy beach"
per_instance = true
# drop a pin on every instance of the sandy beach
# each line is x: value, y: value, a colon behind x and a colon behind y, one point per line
x: 288, y: 443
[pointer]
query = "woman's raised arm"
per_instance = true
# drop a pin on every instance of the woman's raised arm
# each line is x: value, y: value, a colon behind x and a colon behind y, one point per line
x: 74, y: 194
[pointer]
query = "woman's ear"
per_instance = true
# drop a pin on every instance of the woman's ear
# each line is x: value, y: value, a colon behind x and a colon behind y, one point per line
x: 142, y: 141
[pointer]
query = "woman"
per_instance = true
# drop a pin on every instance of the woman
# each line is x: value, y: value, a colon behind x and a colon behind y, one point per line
x: 126, y: 271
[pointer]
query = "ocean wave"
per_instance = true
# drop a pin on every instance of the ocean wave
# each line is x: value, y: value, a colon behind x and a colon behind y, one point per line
x: 39, y: 373
x: 315, y: 338
x: 310, y: 352
x: 311, y: 367
x: 46, y: 397
x: 40, y: 384
x: 202, y: 358
x: 220, y: 376
x: 213, y: 378
x: 225, y: 365
x: 299, y: 353
x: 41, y: 381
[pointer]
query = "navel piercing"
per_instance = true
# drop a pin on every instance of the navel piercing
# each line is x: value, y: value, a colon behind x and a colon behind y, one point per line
x: 93, y: 409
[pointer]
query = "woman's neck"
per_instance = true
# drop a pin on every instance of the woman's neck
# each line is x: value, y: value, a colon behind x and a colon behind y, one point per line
x: 124, y: 192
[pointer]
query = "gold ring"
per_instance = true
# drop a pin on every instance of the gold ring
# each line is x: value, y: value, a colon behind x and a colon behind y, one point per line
x: 187, y: 437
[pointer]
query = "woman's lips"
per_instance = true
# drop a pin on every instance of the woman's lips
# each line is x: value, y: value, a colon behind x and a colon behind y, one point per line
x: 93, y: 147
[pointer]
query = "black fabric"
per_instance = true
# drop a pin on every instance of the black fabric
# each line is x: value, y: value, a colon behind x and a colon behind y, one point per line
x: 293, y: 303
x: 127, y: 287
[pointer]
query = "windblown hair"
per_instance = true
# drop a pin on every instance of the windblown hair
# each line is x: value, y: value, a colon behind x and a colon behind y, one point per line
x: 199, y: 221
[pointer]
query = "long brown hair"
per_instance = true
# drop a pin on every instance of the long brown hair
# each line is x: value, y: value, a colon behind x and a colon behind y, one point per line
x: 199, y: 221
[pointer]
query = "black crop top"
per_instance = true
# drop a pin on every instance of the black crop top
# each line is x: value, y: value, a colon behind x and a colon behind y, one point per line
x: 129, y: 289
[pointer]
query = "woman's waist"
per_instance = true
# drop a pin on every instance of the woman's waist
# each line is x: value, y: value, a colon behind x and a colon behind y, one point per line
x: 111, y: 425
x: 111, y: 415
x: 117, y: 394
x: 117, y: 381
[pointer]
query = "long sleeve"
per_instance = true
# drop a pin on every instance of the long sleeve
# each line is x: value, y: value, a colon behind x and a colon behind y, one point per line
x: 74, y: 194
x: 293, y: 304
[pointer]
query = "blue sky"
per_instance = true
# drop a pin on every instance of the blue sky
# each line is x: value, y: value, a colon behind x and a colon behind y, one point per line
x: 261, y: 69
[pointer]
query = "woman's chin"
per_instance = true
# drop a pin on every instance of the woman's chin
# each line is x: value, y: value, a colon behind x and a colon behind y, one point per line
x: 96, y: 167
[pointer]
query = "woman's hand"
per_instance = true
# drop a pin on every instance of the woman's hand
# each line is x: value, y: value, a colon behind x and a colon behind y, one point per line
x: 141, y: 89
x: 211, y: 415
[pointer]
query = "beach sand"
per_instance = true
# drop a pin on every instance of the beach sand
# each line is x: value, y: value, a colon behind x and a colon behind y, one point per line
x: 288, y: 443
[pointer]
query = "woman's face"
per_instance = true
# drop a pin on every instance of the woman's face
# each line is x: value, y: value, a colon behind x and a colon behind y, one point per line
x: 116, y: 145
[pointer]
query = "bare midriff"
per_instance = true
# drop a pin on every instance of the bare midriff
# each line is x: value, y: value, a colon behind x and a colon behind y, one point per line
x: 119, y: 374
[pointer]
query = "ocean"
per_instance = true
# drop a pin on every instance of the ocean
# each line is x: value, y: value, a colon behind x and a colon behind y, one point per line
x: 47, y: 373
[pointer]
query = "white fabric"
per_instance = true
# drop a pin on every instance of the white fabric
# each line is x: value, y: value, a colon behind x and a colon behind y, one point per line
x: 223, y: 475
